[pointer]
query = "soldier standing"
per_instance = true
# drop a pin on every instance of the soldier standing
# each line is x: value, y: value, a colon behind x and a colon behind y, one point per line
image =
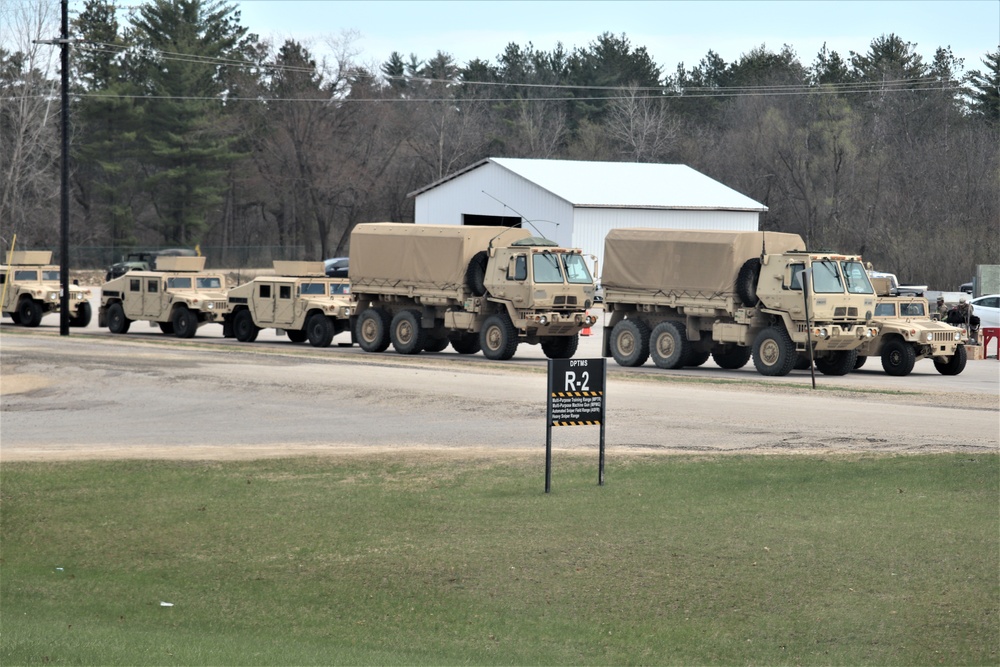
x: 942, y: 309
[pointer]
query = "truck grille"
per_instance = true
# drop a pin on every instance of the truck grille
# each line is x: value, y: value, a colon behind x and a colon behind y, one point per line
x: 564, y: 300
x: 845, y: 312
x: 943, y: 336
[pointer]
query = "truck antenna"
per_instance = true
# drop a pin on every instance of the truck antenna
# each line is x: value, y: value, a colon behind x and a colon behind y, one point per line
x: 530, y: 222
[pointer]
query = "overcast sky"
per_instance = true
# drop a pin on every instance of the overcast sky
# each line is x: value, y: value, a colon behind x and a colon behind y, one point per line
x: 672, y: 31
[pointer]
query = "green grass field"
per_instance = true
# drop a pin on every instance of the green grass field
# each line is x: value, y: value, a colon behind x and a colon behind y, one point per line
x: 421, y: 560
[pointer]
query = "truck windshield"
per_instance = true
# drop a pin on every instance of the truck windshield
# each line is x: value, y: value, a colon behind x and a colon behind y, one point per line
x: 211, y: 282
x: 576, y: 269
x: 546, y: 267
x: 826, y: 277
x: 856, y: 278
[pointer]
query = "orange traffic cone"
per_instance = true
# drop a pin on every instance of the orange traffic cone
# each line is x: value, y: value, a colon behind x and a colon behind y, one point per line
x: 586, y: 329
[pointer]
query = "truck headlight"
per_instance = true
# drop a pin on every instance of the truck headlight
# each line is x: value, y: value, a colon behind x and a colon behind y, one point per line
x: 210, y: 305
x: 929, y: 336
x: 958, y: 335
x: 543, y: 320
x: 53, y: 296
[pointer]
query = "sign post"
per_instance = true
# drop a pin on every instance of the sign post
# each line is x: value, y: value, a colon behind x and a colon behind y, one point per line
x: 576, y: 398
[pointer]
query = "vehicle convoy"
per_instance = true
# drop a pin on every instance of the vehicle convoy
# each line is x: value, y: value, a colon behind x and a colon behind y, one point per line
x: 299, y: 299
x: 178, y: 297
x: 422, y: 287
x: 681, y: 296
x: 906, y: 333
x: 31, y: 288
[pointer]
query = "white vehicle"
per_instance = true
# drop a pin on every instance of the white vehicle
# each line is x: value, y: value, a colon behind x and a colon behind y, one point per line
x: 987, y: 308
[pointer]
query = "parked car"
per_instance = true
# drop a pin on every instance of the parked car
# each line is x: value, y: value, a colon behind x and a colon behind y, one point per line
x: 336, y: 267
x: 987, y: 308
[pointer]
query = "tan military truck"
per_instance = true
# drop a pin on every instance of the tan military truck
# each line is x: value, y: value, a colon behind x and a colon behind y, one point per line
x: 907, y: 333
x: 31, y: 288
x: 179, y: 296
x: 681, y: 296
x: 422, y: 287
x: 299, y: 300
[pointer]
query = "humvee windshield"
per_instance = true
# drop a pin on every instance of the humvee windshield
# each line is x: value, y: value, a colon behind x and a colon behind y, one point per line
x: 911, y: 309
x: 576, y: 269
x: 50, y: 275
x: 24, y: 274
x: 339, y: 288
x: 885, y: 310
x: 178, y: 283
x: 313, y: 288
x: 211, y: 282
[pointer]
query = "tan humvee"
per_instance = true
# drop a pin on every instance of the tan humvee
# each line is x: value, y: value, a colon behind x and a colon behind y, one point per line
x: 300, y: 300
x: 907, y: 333
x: 31, y: 288
x: 179, y: 297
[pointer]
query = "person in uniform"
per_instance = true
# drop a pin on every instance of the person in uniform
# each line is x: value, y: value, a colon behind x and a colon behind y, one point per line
x: 942, y: 309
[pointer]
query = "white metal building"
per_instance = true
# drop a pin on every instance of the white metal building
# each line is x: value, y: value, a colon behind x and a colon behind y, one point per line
x: 577, y: 203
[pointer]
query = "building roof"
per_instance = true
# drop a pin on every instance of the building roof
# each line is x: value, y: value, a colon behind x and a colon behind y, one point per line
x: 620, y: 184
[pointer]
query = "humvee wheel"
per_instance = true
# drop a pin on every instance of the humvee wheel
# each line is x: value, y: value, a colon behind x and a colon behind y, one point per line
x: 30, y: 312
x: 860, y: 361
x: 697, y: 358
x: 774, y: 352
x: 117, y: 322
x: 14, y: 316
x: 560, y: 347
x: 372, y: 331
x: 954, y: 364
x: 166, y: 328
x: 464, y: 342
x: 185, y: 323
x: 898, y: 357
x: 668, y: 345
x: 498, y: 338
x: 244, y: 327
x: 82, y: 317
x: 296, y: 336
x: 730, y: 356
x: 406, y: 333
x: 837, y: 363
x: 630, y: 342
x: 319, y: 328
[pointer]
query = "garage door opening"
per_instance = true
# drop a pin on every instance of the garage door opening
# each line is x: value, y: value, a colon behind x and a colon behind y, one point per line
x: 490, y: 220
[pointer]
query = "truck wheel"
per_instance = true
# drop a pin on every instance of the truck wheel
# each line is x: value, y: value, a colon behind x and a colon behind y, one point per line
x: 668, y: 345
x: 837, y: 363
x: 464, y: 342
x: 320, y: 330
x: 406, y: 333
x: 30, y: 312
x: 82, y: 317
x: 435, y: 343
x: 697, y: 358
x: 296, y: 336
x: 185, y: 323
x: 954, y: 364
x: 802, y: 362
x: 730, y: 356
x: 774, y: 352
x: 746, y: 282
x: 898, y: 357
x: 498, y: 338
x: 560, y: 347
x: 167, y: 328
x: 14, y: 317
x: 117, y: 322
x: 372, y: 331
x: 860, y: 361
x: 475, y: 274
x: 630, y: 342
x: 244, y: 327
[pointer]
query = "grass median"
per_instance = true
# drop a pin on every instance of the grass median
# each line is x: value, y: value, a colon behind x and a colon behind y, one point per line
x: 409, y: 560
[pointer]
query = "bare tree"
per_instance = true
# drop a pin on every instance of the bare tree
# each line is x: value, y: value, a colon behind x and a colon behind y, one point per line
x: 641, y: 125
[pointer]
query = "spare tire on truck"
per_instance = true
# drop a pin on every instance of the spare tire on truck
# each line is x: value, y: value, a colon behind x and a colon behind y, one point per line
x: 746, y: 282
x: 475, y: 274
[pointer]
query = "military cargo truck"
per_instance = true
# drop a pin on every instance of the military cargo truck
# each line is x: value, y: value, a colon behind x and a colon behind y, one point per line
x: 421, y: 287
x: 682, y: 296
x: 178, y: 297
x: 299, y: 299
x: 31, y: 288
x: 906, y: 333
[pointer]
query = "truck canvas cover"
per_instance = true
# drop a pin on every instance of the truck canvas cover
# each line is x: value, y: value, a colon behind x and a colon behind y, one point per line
x: 685, y: 261
x: 421, y: 256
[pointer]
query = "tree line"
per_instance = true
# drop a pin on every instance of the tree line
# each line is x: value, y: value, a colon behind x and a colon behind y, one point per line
x: 187, y: 128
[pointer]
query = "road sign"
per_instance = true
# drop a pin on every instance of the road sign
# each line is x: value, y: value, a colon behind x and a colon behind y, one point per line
x: 576, y: 398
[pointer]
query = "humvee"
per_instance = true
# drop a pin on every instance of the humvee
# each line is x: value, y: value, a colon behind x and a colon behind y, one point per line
x: 31, y: 288
x: 299, y: 299
x: 906, y: 333
x: 179, y: 297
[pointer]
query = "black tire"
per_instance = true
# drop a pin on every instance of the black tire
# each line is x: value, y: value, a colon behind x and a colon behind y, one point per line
x: 898, y: 357
x: 774, y: 352
x: 464, y: 342
x: 837, y: 363
x: 185, y: 323
x: 697, y: 358
x: 14, y: 317
x: 668, y: 345
x: 435, y: 343
x: 82, y: 317
x: 244, y: 328
x: 296, y: 335
x: 319, y: 329
x: 630, y: 342
x: 167, y: 327
x: 954, y: 364
x: 475, y: 274
x: 117, y: 322
x: 498, y: 338
x: 746, y: 282
x: 407, y: 336
x: 560, y: 347
x: 802, y: 362
x: 860, y: 361
x: 30, y: 313
x: 372, y: 330
x: 730, y: 356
